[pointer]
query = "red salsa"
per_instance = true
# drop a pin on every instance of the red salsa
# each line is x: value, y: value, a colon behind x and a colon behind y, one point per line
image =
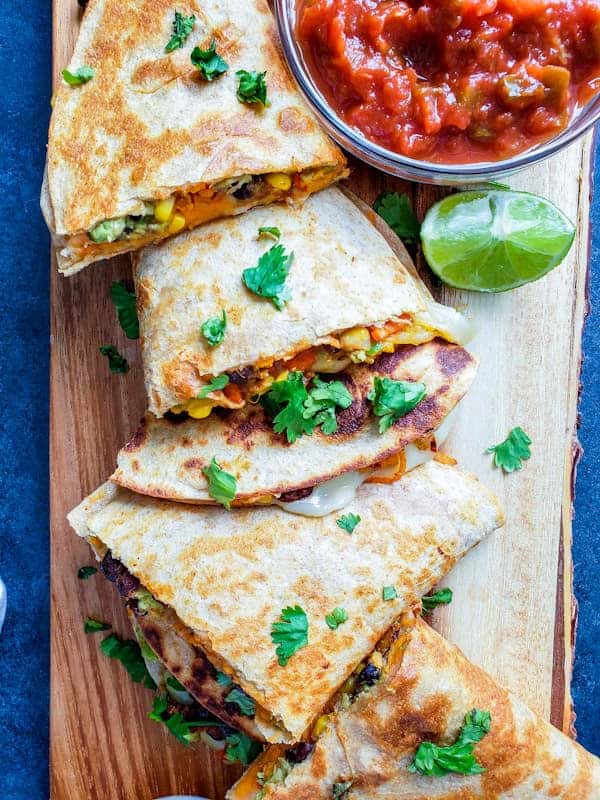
x: 454, y: 81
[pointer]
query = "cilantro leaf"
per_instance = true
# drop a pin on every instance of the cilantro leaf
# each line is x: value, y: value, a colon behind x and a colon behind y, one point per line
x: 221, y: 485
x: 81, y: 75
x: 241, y: 748
x: 208, y: 62
x: 92, y: 625
x: 290, y: 633
x: 86, y: 572
x: 214, y: 329
x: 124, y: 302
x: 394, y: 399
x: 396, y: 210
x: 441, y: 598
x: 129, y: 654
x: 511, y: 453
x: 223, y: 679
x: 348, y: 522
x: 182, y: 27
x: 159, y: 707
x: 284, y: 402
x: 252, y: 87
x: 389, y: 593
x: 431, y: 759
x: 174, y: 684
x: 181, y: 729
x: 337, y: 616
x: 215, y: 385
x: 340, y: 790
x: 322, y: 401
x: 246, y: 704
x: 274, y: 233
x: 116, y: 362
x: 267, y: 278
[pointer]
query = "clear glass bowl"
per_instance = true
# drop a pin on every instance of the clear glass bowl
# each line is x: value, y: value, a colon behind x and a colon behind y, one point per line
x: 356, y: 143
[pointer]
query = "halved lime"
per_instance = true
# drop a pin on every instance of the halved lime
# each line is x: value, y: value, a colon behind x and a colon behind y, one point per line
x: 494, y: 240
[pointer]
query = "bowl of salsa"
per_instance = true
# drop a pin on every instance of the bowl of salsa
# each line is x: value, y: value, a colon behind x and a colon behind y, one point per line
x: 447, y: 90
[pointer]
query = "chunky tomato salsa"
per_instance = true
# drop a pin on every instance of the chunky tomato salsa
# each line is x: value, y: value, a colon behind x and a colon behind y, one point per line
x: 454, y: 81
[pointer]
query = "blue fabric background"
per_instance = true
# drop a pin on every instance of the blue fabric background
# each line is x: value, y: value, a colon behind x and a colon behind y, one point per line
x: 24, y: 336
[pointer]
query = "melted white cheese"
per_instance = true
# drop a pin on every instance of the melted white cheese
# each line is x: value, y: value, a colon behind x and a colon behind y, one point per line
x: 339, y: 492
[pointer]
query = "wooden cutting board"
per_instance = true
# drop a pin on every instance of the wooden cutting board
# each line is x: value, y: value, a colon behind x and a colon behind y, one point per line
x: 513, y: 611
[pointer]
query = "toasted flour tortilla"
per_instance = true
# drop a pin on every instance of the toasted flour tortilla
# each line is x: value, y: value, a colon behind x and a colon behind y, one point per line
x: 343, y: 275
x: 425, y: 697
x: 166, y: 456
x: 229, y: 575
x: 147, y: 126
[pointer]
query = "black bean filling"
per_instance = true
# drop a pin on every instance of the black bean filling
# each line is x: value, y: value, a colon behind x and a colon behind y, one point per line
x: 370, y: 675
x: 299, y: 753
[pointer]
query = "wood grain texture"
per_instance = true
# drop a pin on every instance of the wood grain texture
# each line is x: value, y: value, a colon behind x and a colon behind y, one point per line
x: 513, y: 606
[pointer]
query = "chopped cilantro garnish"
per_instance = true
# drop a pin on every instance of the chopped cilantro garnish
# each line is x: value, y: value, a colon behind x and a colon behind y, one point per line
x: 94, y: 625
x: 223, y: 679
x: 181, y: 729
x: 129, y: 654
x: 208, y: 62
x: 116, y: 362
x: 389, y: 593
x: 215, y: 385
x: 340, y: 790
x: 273, y: 233
x: 394, y: 399
x: 241, y: 748
x: 174, y: 684
x: 297, y: 410
x: 290, y: 633
x: 396, y: 210
x: 267, y: 278
x: 511, y: 453
x: 246, y: 704
x: 182, y: 27
x: 124, y: 302
x: 86, y: 572
x: 221, y: 485
x: 337, y: 616
x: 81, y: 75
x: 431, y: 759
x: 214, y: 329
x: 348, y: 522
x: 252, y: 88
x: 441, y: 598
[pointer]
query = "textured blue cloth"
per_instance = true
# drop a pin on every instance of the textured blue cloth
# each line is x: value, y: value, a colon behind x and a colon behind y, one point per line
x: 24, y: 267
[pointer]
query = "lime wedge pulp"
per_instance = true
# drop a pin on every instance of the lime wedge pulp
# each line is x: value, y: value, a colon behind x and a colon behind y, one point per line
x: 494, y: 240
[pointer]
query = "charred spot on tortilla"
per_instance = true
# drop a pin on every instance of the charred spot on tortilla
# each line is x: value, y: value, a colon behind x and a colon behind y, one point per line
x: 242, y: 429
x: 176, y: 419
x: 452, y: 360
x: 387, y: 363
x: 138, y: 438
x: 351, y: 419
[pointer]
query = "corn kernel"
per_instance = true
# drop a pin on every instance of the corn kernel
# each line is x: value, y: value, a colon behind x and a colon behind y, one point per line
x: 199, y: 409
x: 321, y: 725
x: 178, y: 409
x: 279, y: 180
x: 356, y: 339
x: 163, y: 210
x: 177, y: 223
x: 388, y: 348
x: 282, y: 375
x: 376, y: 659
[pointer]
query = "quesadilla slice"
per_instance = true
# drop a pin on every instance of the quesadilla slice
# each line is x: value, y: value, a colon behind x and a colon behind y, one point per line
x: 174, y: 115
x: 318, y: 474
x: 224, y: 313
x: 255, y: 589
x: 432, y: 726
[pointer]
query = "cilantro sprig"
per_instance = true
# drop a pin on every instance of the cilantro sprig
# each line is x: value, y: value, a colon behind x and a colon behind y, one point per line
x: 222, y: 486
x: 84, y: 573
x: 124, y: 303
x: 389, y: 593
x: 273, y: 233
x: 290, y: 633
x: 222, y: 679
x: 128, y: 652
x: 396, y: 210
x: 241, y: 748
x: 214, y: 329
x: 297, y: 410
x: 510, y: 454
x: 267, y: 278
x: 246, y: 704
x: 208, y: 62
x: 394, y: 399
x: 440, y: 598
x: 215, y: 385
x: 181, y: 729
x: 80, y: 76
x: 431, y: 759
x: 336, y: 618
x: 252, y: 88
x: 348, y: 522
x: 182, y: 27
x: 92, y: 625
x: 116, y: 362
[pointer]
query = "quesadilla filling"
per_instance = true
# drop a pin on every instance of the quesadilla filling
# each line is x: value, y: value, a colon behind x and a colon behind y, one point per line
x: 163, y: 218
x: 359, y: 345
